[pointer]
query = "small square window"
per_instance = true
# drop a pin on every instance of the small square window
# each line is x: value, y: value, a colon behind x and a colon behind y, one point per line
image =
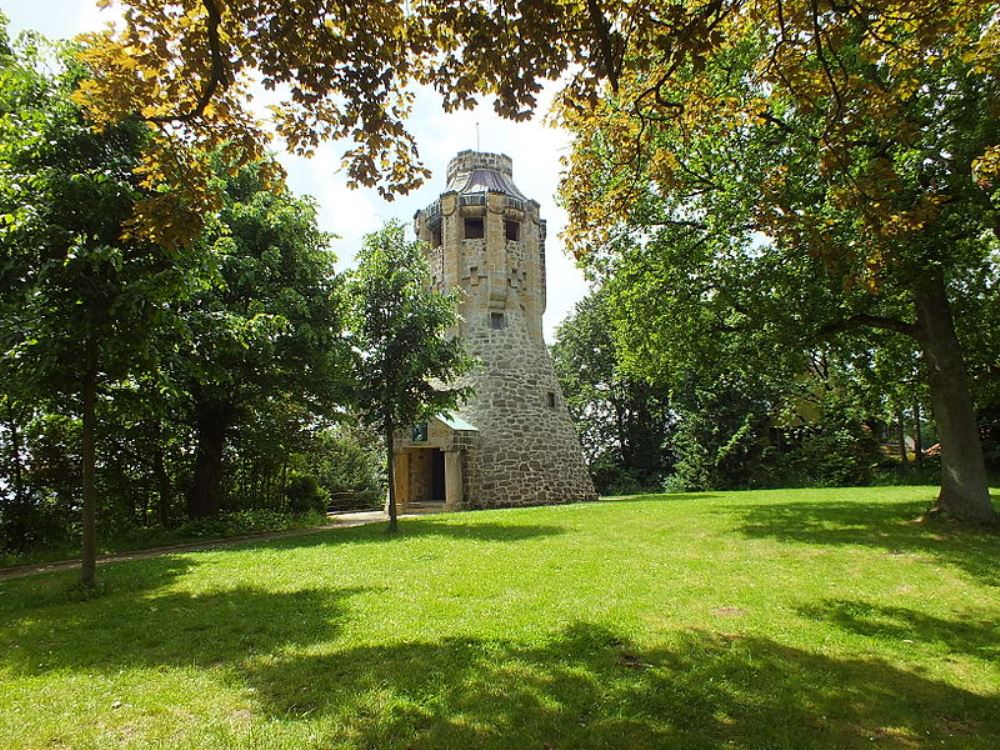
x: 512, y: 230
x: 436, y: 236
x: 550, y: 399
x: 497, y: 320
x: 474, y: 228
x: 419, y: 433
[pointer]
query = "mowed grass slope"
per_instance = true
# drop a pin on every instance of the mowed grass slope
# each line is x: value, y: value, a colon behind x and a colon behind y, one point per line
x: 795, y: 619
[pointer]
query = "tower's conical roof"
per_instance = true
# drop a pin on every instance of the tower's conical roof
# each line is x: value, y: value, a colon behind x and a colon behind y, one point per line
x: 478, y: 172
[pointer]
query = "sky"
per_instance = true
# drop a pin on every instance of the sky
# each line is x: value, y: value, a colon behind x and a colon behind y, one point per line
x: 535, y: 148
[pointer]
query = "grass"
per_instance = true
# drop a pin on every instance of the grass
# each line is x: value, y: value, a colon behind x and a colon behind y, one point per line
x: 771, y: 619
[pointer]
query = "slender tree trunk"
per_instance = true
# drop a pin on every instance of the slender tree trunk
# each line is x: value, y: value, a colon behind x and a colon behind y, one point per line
x: 283, y: 486
x: 918, y: 442
x: 88, y: 551
x: 901, y: 436
x: 964, y: 488
x: 142, y: 509
x: 623, y: 442
x: 16, y: 469
x: 390, y: 441
x: 204, y: 496
x: 20, y: 520
x: 165, y: 490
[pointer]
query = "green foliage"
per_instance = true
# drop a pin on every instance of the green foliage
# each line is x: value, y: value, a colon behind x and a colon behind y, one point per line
x: 39, y: 499
x: 263, y: 353
x: 349, y: 466
x: 82, y: 303
x: 305, y: 495
x: 213, y: 368
x: 238, y: 523
x: 611, y: 479
x: 398, y: 325
x: 732, y: 249
x: 66, y: 194
x: 624, y: 422
x: 821, y: 455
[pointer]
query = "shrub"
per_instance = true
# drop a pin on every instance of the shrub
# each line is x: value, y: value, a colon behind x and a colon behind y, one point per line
x: 351, y: 469
x: 304, y: 494
x: 245, y: 522
x: 823, y: 456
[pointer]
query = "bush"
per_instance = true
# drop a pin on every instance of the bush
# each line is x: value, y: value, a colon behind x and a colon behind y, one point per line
x: 891, y: 473
x: 351, y: 471
x: 714, y: 453
x: 304, y: 494
x: 612, y: 479
x: 36, y: 523
x: 823, y: 456
x: 245, y: 522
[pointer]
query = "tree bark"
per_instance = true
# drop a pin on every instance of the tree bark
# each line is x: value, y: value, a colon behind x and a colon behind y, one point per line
x: 964, y: 491
x: 16, y: 468
x: 165, y: 490
x: 88, y: 551
x: 204, y: 496
x: 901, y: 435
x: 390, y: 441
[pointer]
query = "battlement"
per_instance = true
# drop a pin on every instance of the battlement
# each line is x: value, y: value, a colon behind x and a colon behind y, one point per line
x: 468, y: 160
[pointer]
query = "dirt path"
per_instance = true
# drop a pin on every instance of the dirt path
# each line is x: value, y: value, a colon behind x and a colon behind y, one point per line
x: 340, y: 521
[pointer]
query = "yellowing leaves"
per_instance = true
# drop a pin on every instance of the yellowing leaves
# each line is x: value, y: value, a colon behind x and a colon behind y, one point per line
x: 986, y: 169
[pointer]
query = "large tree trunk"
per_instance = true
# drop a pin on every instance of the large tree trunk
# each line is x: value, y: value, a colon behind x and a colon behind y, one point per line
x: 88, y: 551
x: 964, y: 488
x: 204, y: 496
x: 390, y: 441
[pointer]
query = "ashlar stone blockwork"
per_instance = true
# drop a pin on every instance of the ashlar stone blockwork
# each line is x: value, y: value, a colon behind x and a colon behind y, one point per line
x: 487, y: 239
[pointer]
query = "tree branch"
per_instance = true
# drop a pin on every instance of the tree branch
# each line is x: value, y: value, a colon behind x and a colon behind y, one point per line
x: 602, y: 29
x: 877, y: 322
x: 218, y: 74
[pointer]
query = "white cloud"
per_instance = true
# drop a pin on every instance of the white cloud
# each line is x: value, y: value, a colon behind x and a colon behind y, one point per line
x: 534, y: 147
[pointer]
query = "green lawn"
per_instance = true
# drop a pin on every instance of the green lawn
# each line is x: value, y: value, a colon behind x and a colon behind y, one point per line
x: 782, y: 619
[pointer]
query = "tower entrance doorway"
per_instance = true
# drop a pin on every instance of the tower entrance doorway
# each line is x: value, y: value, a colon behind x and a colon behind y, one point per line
x: 437, y: 475
x: 428, y: 463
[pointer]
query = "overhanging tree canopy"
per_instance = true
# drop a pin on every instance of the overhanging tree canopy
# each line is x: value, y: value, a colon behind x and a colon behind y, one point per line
x: 841, y: 96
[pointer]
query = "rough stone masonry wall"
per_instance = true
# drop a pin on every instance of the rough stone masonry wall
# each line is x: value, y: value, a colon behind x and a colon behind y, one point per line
x: 527, y: 452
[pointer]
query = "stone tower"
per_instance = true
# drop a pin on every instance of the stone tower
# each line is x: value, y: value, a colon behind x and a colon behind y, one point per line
x: 512, y: 442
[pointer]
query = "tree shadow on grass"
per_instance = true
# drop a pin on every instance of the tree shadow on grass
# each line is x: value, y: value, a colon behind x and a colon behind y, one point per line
x: 585, y: 686
x: 588, y: 688
x: 892, y: 527
x: 178, y: 628
x: 127, y: 578
x: 976, y: 638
